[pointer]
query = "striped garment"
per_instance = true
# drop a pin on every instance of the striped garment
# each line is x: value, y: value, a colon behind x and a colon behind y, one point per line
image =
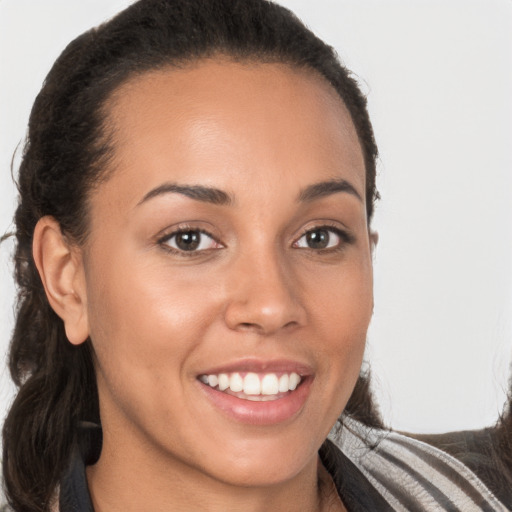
x: 411, y: 475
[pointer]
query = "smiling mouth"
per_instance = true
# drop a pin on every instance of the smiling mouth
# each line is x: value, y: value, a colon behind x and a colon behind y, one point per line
x: 256, y: 387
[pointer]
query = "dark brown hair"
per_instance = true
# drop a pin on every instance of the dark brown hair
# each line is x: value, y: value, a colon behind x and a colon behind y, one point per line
x: 66, y: 155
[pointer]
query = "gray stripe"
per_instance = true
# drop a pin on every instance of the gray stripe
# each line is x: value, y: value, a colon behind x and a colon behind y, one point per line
x: 434, y: 491
x: 396, y: 490
x: 445, y: 469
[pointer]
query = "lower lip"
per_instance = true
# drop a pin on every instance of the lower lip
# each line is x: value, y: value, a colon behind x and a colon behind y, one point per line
x: 260, y: 413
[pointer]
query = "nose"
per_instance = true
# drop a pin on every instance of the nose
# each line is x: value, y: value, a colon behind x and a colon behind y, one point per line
x: 263, y: 295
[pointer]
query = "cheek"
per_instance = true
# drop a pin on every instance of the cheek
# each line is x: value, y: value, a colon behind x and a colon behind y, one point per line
x: 145, y: 324
x: 342, y: 300
x: 342, y: 307
x: 143, y: 317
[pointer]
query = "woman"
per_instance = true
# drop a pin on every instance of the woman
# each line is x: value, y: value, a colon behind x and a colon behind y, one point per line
x: 194, y: 262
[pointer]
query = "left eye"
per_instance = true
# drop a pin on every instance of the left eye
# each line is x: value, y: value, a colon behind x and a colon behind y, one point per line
x: 319, y: 238
x: 191, y: 240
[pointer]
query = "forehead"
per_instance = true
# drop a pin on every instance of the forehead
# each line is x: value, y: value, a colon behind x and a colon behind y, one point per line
x: 219, y: 119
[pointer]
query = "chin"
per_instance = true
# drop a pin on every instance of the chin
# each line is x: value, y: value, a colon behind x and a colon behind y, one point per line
x: 265, y: 462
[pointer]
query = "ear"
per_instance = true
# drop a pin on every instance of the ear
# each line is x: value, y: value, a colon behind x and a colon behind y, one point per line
x: 61, y: 270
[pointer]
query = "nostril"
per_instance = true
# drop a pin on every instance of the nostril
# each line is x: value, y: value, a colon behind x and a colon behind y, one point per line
x: 249, y: 326
x: 255, y: 327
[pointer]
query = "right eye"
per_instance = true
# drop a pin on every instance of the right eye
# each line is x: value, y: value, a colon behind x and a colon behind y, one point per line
x: 189, y: 241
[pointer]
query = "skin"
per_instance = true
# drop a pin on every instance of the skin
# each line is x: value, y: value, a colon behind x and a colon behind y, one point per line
x: 158, y: 318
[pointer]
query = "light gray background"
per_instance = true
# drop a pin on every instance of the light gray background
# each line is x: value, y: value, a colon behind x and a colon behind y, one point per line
x: 439, y: 76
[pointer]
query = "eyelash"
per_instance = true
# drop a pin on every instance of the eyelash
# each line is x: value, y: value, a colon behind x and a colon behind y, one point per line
x: 345, y: 238
x: 164, y: 242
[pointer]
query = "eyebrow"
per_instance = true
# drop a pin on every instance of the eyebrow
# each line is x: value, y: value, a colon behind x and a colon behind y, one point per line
x: 197, y: 192
x: 218, y: 197
x: 327, y: 188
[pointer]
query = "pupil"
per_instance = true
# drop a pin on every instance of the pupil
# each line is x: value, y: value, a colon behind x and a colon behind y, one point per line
x: 318, y: 239
x: 188, y: 240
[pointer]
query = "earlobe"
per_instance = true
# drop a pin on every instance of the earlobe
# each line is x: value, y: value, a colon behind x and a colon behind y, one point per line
x: 60, y: 267
x: 374, y: 240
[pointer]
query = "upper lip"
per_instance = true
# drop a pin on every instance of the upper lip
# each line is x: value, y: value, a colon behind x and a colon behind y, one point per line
x: 261, y: 366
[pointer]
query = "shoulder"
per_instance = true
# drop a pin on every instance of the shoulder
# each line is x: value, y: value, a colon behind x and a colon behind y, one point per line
x: 411, y: 474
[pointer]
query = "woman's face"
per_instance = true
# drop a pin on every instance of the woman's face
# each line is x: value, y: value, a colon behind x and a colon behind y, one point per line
x: 228, y: 271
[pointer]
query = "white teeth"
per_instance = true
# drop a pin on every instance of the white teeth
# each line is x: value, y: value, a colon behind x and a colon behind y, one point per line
x: 294, y: 381
x: 253, y: 384
x: 223, y: 381
x: 236, y: 383
x: 270, y: 384
x: 283, y: 383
